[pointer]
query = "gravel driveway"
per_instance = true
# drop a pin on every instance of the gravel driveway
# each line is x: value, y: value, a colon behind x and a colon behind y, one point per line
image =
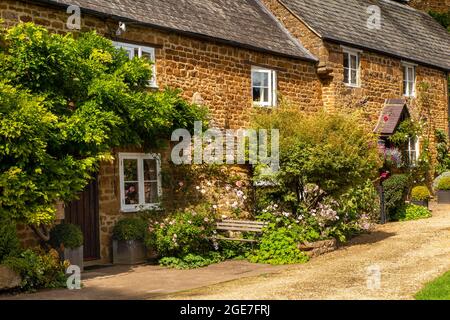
x: 406, y: 255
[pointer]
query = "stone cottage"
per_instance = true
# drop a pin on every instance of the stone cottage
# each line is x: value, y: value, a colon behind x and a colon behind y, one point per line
x: 233, y: 56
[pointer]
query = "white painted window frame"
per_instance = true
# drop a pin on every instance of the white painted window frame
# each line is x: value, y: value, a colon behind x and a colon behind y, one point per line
x: 356, y: 53
x: 139, y: 157
x: 130, y: 48
x: 407, y: 92
x: 272, y: 87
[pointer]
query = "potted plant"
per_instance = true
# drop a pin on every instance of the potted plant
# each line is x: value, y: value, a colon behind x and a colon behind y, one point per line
x: 443, y: 190
x: 128, y: 241
x: 420, y: 196
x: 67, y: 239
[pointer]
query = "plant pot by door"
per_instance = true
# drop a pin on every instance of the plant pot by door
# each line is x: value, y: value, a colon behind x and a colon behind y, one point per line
x: 129, y: 252
x: 443, y: 196
x: 423, y: 203
x: 75, y: 256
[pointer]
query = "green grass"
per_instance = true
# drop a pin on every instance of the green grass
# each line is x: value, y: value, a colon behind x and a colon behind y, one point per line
x: 438, y: 289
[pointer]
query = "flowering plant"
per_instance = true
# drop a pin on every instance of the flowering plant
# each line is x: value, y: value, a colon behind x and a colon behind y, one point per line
x: 392, y: 157
x: 180, y: 234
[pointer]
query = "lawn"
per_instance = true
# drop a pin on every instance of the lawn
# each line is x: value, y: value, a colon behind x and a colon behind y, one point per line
x: 438, y: 289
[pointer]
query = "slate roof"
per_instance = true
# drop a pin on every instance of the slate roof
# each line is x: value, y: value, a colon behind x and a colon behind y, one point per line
x: 245, y: 23
x: 394, y: 112
x: 405, y: 32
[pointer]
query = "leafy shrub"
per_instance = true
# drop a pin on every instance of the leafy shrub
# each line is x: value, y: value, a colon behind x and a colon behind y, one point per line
x: 444, y: 184
x: 183, y: 233
x: 279, y: 246
x: 412, y: 212
x: 9, y: 242
x: 130, y: 229
x: 192, y: 261
x: 420, y: 193
x: 395, y: 192
x: 38, y: 269
x: 437, y: 179
x: 309, y: 153
x: 66, y: 235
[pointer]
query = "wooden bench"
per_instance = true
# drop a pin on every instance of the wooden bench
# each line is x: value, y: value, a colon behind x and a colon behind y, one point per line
x: 241, y: 226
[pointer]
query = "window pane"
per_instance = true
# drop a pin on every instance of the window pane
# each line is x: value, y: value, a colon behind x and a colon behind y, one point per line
x: 354, y: 62
x: 257, y: 79
x: 346, y: 79
x: 346, y: 62
x: 257, y: 94
x: 151, y: 192
x: 411, y: 74
x: 405, y: 88
x: 354, y: 75
x: 150, y: 172
x: 147, y: 55
x: 131, y: 193
x: 130, y: 170
x: 265, y: 97
x: 265, y: 77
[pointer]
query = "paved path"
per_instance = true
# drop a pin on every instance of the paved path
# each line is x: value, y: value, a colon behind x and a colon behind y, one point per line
x: 150, y: 282
x: 408, y: 254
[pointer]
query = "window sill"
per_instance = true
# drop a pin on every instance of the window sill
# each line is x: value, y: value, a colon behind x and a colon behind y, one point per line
x: 352, y: 85
x: 258, y: 105
x: 137, y: 208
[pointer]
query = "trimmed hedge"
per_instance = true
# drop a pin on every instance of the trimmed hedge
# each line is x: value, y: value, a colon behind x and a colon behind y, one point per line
x: 444, y: 184
x: 67, y: 235
x: 130, y: 229
x: 420, y: 193
x: 395, y: 193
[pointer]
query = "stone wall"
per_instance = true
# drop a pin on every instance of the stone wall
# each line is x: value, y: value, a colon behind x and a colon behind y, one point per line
x: 433, y: 5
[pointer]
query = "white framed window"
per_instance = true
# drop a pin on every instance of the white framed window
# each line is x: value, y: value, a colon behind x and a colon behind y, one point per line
x: 264, y: 86
x: 409, y: 80
x: 140, y: 181
x: 351, y: 67
x: 133, y: 50
x: 413, y: 151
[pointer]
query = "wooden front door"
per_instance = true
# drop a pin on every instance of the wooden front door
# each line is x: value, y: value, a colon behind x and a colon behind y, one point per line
x: 84, y: 213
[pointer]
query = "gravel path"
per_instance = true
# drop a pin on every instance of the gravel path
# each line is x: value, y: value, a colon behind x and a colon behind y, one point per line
x: 407, y: 255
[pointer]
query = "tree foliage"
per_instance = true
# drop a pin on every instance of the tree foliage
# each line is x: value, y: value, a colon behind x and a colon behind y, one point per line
x: 65, y: 102
x: 332, y: 151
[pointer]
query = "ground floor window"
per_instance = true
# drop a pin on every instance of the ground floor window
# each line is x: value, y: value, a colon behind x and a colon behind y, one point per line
x: 140, y: 181
x: 413, y: 151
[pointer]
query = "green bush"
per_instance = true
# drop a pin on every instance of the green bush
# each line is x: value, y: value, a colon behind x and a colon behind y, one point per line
x: 66, y: 235
x: 130, y: 229
x: 38, y: 269
x: 192, y: 261
x: 9, y: 242
x: 412, y: 212
x: 181, y: 234
x: 420, y: 193
x: 444, y: 184
x: 279, y: 246
x: 308, y: 153
x: 395, y: 193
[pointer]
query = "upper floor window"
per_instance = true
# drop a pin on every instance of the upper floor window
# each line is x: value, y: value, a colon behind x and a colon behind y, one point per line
x: 140, y: 181
x: 351, y: 68
x: 133, y: 50
x: 264, y: 86
x: 409, y: 80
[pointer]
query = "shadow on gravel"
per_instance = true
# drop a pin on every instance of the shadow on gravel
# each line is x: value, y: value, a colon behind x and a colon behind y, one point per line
x: 369, y: 238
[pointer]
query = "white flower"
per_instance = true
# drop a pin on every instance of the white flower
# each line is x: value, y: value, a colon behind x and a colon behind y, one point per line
x: 244, y: 197
x: 175, y: 235
x: 203, y: 191
x: 215, y: 206
x: 197, y: 187
x: 206, y: 220
x: 189, y: 221
x: 209, y: 184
